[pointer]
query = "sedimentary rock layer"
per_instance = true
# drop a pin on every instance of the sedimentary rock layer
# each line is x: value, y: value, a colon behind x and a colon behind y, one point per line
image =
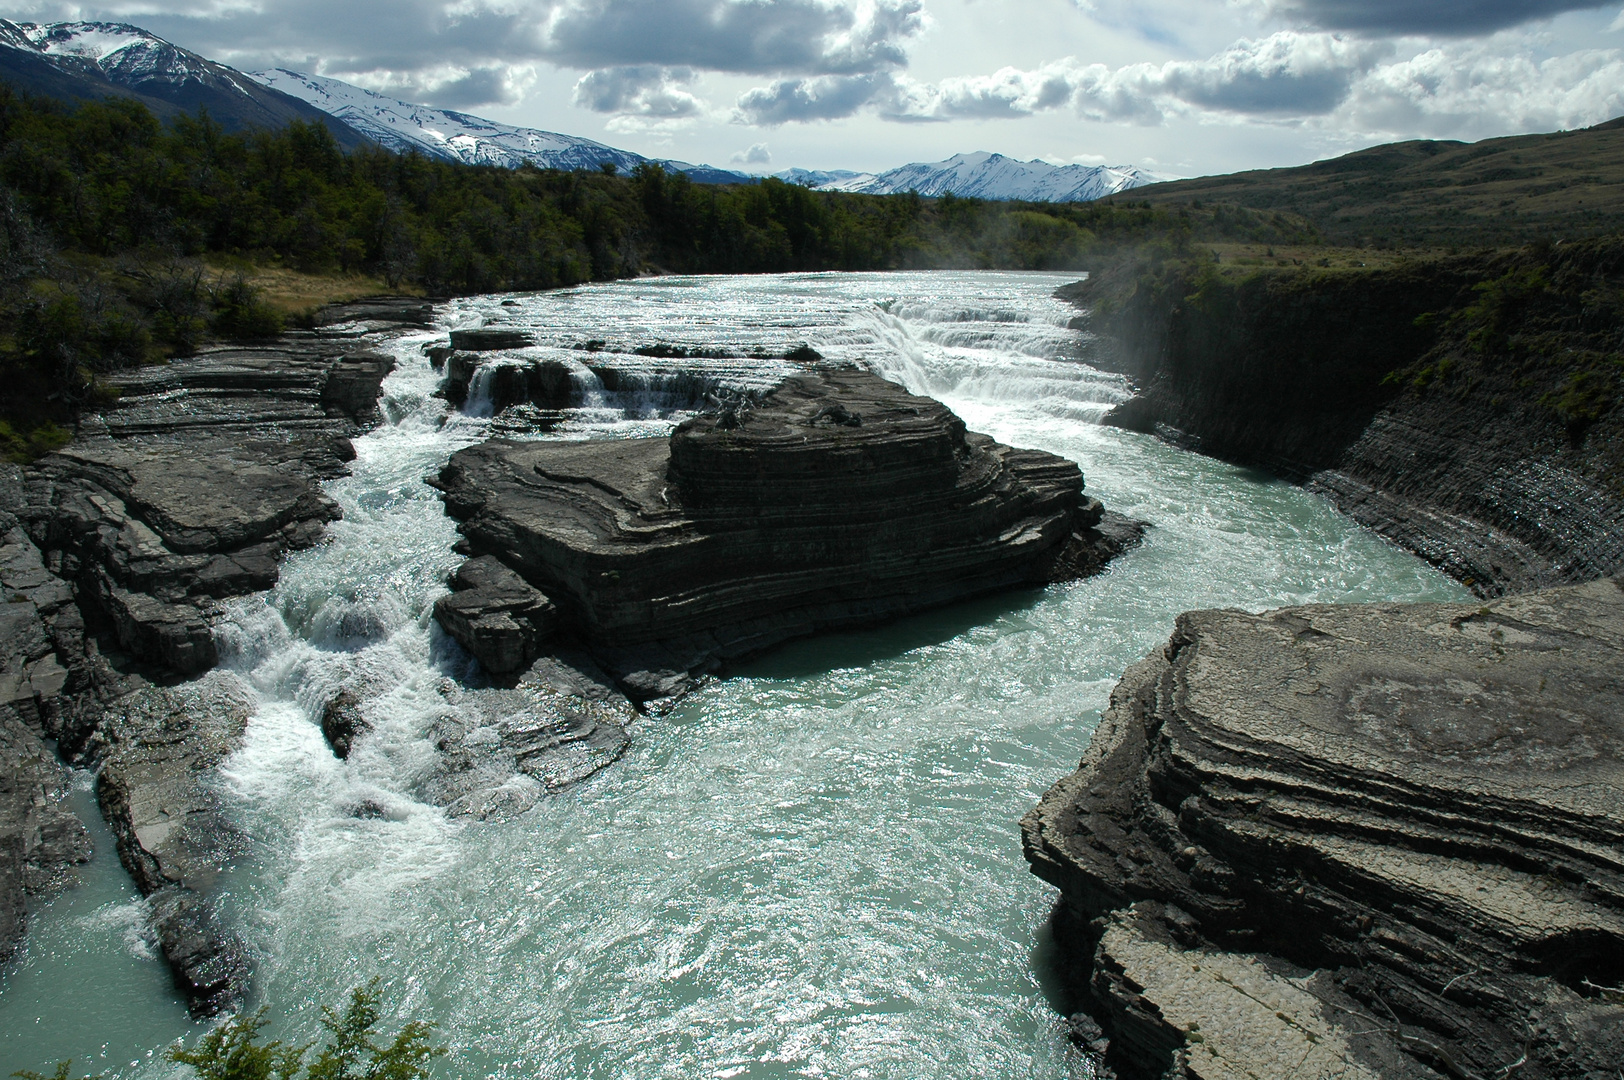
x: 1384, y: 839
x: 1463, y: 407
x: 186, y: 489
x: 838, y: 499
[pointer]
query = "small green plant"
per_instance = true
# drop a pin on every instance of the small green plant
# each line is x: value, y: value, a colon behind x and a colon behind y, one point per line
x: 233, y: 1051
x: 62, y: 1073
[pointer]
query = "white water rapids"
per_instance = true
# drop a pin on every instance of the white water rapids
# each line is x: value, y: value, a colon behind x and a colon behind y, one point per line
x: 811, y: 868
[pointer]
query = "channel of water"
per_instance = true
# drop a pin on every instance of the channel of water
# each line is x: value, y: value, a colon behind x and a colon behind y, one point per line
x: 811, y: 868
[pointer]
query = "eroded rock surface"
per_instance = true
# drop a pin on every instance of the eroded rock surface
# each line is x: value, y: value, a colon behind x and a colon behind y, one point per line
x: 159, y: 748
x: 1387, y: 836
x: 198, y: 480
x: 837, y: 500
x: 113, y: 555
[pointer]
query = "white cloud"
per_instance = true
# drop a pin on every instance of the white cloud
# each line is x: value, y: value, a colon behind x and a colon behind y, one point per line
x: 1475, y: 91
x: 1288, y: 73
x: 756, y: 155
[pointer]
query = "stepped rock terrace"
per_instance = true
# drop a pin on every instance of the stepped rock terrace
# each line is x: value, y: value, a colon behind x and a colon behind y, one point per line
x: 840, y: 499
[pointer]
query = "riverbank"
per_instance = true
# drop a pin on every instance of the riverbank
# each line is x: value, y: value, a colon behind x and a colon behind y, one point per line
x: 119, y: 550
x: 1464, y: 407
x: 1365, y: 841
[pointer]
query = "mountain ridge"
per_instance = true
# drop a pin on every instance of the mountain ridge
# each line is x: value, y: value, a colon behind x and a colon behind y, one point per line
x: 984, y: 175
x: 87, y: 61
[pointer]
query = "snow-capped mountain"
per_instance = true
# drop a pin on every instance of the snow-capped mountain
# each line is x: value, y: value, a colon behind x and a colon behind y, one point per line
x: 88, y: 60
x: 455, y: 136
x: 828, y: 179
x: 986, y: 176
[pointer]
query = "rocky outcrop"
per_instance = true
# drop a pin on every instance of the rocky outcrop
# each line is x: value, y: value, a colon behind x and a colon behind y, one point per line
x: 158, y: 748
x: 342, y: 722
x: 500, y: 618
x: 47, y: 688
x: 1463, y: 407
x: 186, y: 489
x: 836, y: 500
x: 1379, y: 840
x: 40, y: 838
x: 198, y: 480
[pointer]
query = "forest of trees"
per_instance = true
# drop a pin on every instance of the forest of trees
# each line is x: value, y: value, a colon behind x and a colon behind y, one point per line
x: 107, y: 216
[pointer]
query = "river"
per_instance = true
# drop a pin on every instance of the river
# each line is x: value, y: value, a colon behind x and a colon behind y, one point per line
x: 811, y: 868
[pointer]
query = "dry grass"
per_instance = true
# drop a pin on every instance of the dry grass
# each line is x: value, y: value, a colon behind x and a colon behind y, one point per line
x: 293, y: 293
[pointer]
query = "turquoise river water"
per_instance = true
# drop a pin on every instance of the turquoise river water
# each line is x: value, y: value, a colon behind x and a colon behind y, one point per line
x: 811, y: 868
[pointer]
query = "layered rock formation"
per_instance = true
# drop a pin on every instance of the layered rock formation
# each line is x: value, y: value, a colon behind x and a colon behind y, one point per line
x: 837, y: 499
x: 114, y: 552
x: 1381, y: 840
x: 1463, y: 407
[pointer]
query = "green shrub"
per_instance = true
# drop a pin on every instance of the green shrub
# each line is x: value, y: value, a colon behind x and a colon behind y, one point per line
x: 239, y: 312
x: 233, y: 1051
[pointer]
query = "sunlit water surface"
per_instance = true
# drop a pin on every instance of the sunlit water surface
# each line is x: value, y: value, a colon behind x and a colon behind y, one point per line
x: 810, y: 869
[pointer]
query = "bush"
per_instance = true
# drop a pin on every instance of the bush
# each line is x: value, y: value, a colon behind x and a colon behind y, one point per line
x: 233, y: 1051
x: 240, y: 312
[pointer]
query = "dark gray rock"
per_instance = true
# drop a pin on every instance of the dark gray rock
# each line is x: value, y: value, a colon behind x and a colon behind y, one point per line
x: 501, y: 619
x: 381, y: 310
x: 667, y: 557
x: 545, y: 382
x: 40, y: 838
x: 159, y: 748
x: 342, y: 722
x: 352, y: 385
x: 1379, y: 840
x: 503, y: 748
x: 488, y: 338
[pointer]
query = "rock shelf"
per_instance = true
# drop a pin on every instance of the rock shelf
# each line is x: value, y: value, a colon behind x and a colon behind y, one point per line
x: 1384, y: 840
x: 114, y: 553
x: 836, y: 500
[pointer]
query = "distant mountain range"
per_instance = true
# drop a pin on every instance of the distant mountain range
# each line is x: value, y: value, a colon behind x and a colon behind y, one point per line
x: 89, y: 60
x: 984, y: 176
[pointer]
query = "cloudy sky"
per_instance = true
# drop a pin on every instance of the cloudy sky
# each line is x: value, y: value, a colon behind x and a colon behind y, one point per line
x: 1184, y: 87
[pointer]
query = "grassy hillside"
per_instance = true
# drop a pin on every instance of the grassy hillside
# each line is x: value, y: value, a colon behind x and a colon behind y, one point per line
x: 1496, y: 193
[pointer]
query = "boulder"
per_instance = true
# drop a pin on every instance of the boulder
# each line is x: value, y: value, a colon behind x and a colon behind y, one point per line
x: 342, y: 722
x: 765, y: 520
x: 158, y: 748
x: 496, y: 615
x: 1384, y: 839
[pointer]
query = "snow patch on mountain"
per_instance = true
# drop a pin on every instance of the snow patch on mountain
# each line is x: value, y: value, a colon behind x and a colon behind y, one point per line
x: 454, y: 136
x: 986, y: 176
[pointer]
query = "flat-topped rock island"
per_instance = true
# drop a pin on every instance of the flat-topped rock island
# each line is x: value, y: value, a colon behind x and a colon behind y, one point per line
x: 835, y: 500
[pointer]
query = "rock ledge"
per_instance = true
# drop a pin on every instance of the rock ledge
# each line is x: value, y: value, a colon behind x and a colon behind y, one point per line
x: 1386, y: 839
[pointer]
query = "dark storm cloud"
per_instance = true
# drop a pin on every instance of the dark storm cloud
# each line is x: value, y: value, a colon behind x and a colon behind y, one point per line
x: 1452, y: 18
x: 645, y: 90
x: 413, y: 44
x: 800, y: 100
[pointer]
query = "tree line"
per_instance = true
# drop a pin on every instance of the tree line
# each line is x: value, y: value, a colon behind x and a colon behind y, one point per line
x: 109, y: 218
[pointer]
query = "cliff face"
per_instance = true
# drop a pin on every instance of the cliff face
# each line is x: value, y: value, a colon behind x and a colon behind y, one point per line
x: 1379, y: 840
x: 1463, y: 407
x: 837, y: 500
